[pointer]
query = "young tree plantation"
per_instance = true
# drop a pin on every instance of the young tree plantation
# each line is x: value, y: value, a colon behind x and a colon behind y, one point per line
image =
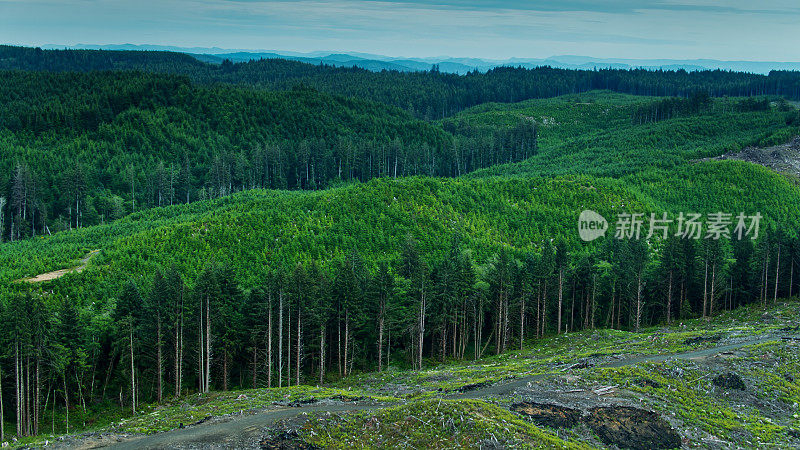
x: 276, y: 224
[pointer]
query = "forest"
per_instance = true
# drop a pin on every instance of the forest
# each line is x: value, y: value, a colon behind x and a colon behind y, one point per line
x: 79, y: 149
x: 425, y: 94
x: 311, y: 324
x: 274, y: 223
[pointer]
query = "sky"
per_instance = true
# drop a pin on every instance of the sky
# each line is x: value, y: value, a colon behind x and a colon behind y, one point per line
x: 764, y: 30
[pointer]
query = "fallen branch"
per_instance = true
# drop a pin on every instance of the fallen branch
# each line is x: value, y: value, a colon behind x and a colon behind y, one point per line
x: 604, y: 390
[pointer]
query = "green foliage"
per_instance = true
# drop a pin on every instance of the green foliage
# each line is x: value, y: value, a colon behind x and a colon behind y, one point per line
x: 430, y: 94
x: 448, y: 263
x: 430, y: 424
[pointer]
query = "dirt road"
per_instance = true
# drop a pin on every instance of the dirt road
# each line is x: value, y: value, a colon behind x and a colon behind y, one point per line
x: 245, y: 431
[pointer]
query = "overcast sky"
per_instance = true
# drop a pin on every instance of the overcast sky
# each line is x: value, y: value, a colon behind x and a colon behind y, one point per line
x: 678, y: 29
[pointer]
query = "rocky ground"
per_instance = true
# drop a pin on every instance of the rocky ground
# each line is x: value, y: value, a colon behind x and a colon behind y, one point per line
x: 780, y: 158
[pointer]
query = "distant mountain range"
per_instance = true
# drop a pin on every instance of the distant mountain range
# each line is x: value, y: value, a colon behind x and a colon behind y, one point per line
x: 448, y: 64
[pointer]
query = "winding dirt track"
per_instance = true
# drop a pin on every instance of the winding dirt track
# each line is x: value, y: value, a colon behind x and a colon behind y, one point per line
x: 60, y: 273
x: 246, y: 430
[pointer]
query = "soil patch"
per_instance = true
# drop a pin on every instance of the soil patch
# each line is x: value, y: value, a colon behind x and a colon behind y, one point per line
x: 548, y: 415
x: 285, y: 441
x: 702, y: 339
x: 473, y: 386
x: 633, y: 428
x: 730, y: 381
x: 780, y: 158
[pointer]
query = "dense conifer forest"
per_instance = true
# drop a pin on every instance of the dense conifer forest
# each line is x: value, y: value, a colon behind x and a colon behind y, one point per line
x: 428, y: 95
x: 274, y: 223
x: 79, y: 149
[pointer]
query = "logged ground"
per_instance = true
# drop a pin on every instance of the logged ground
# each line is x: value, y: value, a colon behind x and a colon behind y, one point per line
x: 731, y: 382
x: 783, y: 159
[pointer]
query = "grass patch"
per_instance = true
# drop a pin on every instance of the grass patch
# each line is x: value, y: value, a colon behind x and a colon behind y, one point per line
x: 191, y: 409
x: 431, y: 424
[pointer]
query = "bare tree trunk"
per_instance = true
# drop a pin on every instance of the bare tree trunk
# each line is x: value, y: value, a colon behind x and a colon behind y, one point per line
x: 346, y: 338
x: 611, y: 311
x: 180, y: 349
x: 18, y: 387
x: 761, y: 282
x: 66, y: 404
x: 254, y: 380
x: 224, y: 370
x: 505, y: 321
x: 421, y: 330
x: 2, y: 422
x: 713, y: 288
x: 594, y: 303
x: 705, y: 290
x: 133, y: 371
x: 201, y: 370
x: 37, y: 399
x: 299, y: 348
x: 26, y: 405
x: 522, y: 321
x: 381, y: 314
x: 638, y: 301
x: 177, y: 348
x: 475, y: 335
x: 32, y: 401
x: 766, y: 281
x: 160, y: 359
x: 669, y: 299
x: 498, y: 324
x: 464, y: 331
x: 544, y: 308
x: 280, y: 338
x: 560, y: 296
x: 269, y: 341
x: 538, y: 309
x: 777, y: 273
x: 289, y: 344
x: 322, y: 354
x: 207, y: 376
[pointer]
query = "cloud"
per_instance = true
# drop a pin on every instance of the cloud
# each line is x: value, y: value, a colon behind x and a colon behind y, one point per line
x: 598, y: 6
x: 496, y: 29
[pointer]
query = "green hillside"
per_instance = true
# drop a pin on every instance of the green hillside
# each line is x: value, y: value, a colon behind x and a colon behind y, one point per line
x: 604, y: 134
x: 426, y: 94
x: 451, y: 268
x: 279, y: 227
